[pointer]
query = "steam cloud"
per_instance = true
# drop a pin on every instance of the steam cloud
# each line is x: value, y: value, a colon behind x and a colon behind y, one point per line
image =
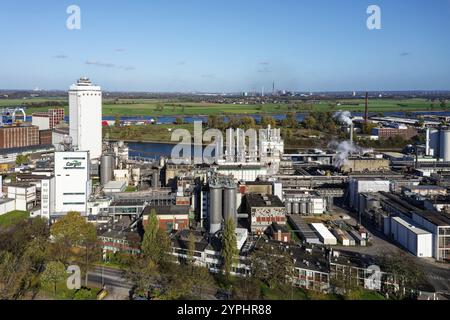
x: 344, y: 150
x: 344, y: 117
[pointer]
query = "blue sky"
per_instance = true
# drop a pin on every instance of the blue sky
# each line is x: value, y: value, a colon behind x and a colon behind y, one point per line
x: 226, y: 45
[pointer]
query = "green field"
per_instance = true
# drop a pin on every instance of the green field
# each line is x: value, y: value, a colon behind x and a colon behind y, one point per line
x: 157, y: 107
x: 13, y: 217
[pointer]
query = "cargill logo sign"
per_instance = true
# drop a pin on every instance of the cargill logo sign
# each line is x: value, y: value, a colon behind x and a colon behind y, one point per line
x: 73, y: 164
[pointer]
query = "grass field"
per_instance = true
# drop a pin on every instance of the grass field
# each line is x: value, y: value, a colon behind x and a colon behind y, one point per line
x: 154, y: 107
x: 13, y: 217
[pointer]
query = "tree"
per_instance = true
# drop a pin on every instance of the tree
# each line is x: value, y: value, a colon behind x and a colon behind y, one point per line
x: 144, y: 274
x: 229, y: 246
x: 156, y: 244
x: 191, y: 250
x: 291, y: 120
x: 22, y: 159
x: 54, y: 272
x: 272, y: 264
x: 267, y: 120
x: 74, y: 231
x: 443, y: 104
x: 179, y: 121
x: 83, y: 294
x: 15, y: 276
x: 405, y: 272
x: 117, y: 120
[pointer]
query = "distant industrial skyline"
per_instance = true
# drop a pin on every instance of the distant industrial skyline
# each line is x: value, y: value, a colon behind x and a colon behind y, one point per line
x: 227, y: 46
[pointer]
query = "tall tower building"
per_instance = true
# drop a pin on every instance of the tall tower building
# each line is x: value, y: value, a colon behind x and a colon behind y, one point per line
x: 85, y: 117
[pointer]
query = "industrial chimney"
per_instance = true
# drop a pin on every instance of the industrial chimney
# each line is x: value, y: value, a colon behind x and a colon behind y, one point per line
x: 366, y: 112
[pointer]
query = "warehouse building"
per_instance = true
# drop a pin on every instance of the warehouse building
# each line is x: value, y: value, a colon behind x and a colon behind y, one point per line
x: 409, y: 236
x: 325, y: 236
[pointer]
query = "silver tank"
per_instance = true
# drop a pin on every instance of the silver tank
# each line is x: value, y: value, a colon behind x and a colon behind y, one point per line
x: 107, y: 165
x: 445, y: 144
x: 229, y: 203
x: 303, y: 208
x: 295, y: 208
x: 289, y: 207
x: 215, y: 209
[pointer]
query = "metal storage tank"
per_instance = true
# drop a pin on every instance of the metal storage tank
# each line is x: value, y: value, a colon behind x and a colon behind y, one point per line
x: 229, y: 202
x: 445, y: 144
x: 432, y: 142
x: 295, y: 208
x: 289, y: 207
x: 107, y: 164
x: 311, y: 208
x: 303, y: 208
x: 155, y: 179
x: 215, y: 208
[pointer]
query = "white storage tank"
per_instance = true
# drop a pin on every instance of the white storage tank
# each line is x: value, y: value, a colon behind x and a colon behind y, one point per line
x: 445, y: 144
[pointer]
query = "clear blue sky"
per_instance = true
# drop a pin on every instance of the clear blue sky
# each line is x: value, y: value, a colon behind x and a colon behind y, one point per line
x: 226, y: 45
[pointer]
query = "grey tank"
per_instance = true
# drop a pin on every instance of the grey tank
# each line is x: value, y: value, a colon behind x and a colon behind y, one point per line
x: 229, y: 203
x: 107, y: 165
x: 215, y: 210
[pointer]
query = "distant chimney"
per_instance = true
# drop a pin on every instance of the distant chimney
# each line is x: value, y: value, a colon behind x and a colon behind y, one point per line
x: 366, y: 113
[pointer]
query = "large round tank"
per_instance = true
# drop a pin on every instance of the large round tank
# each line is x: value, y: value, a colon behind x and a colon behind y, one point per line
x: 445, y: 144
x: 289, y: 207
x: 215, y: 209
x: 303, y: 208
x: 107, y: 164
x: 295, y: 208
x: 155, y: 179
x: 229, y: 203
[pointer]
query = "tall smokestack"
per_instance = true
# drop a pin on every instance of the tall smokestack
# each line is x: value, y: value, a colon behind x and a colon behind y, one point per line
x: 366, y: 113
x: 351, y: 133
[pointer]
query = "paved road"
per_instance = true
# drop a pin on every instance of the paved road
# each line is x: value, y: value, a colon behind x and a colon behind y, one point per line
x: 117, y: 286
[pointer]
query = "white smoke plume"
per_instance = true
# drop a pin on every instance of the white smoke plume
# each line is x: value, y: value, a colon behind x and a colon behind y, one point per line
x: 344, y: 150
x: 344, y: 117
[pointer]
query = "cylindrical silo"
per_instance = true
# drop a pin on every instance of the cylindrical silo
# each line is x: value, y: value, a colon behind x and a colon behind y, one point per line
x: 155, y: 179
x: 229, y: 202
x: 288, y: 207
x: 445, y: 144
x: 295, y: 208
x: 215, y: 209
x: 311, y: 208
x: 107, y: 164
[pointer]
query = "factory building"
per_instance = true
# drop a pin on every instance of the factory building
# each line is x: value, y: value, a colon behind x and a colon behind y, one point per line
x: 48, y: 120
x: 406, y: 132
x: 19, y: 136
x: 264, y: 210
x: 365, y: 164
x: 361, y: 185
x: 72, y: 181
x: 47, y: 197
x: 414, y: 239
x: 437, y: 223
x: 170, y: 217
x: 85, y: 115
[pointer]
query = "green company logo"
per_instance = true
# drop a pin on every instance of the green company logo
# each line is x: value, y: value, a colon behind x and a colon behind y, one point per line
x: 73, y: 164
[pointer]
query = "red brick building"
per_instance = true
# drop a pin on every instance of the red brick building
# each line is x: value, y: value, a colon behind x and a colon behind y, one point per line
x: 19, y: 136
x: 406, y: 133
x: 170, y: 217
